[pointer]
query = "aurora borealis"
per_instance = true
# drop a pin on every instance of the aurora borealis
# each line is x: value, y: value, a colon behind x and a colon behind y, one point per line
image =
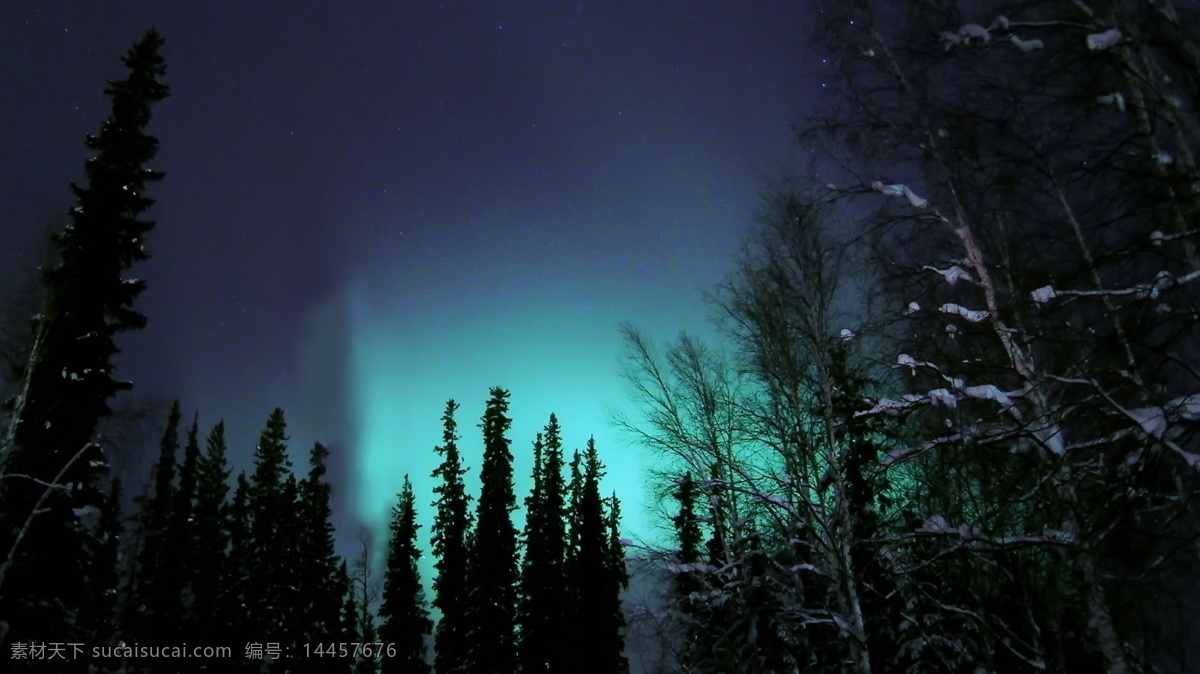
x: 373, y: 207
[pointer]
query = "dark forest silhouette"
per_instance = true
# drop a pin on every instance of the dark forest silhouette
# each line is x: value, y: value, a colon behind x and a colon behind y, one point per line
x: 952, y: 425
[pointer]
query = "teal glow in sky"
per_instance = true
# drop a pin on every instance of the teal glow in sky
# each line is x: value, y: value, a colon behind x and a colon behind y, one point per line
x: 544, y: 351
x: 372, y: 207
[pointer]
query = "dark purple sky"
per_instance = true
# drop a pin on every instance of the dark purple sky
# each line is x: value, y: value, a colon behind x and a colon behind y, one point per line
x: 371, y: 207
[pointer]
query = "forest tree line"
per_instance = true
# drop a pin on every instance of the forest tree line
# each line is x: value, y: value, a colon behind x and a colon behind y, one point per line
x: 250, y: 565
x: 951, y: 425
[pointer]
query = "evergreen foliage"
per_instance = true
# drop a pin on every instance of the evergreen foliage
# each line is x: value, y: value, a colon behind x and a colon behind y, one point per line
x: 451, y: 525
x: 493, y: 562
x: 211, y: 531
x: 270, y: 507
x: 236, y: 591
x: 156, y: 600
x: 405, y: 620
x: 52, y: 579
x: 317, y: 563
x: 595, y: 578
x: 545, y: 601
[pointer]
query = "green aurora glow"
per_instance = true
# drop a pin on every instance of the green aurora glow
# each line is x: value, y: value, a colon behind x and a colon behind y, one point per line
x: 399, y: 380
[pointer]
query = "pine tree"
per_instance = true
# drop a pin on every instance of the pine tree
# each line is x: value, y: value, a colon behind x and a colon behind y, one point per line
x: 319, y: 595
x: 156, y: 600
x: 593, y: 578
x: 616, y: 545
x: 270, y: 503
x: 686, y: 579
x: 210, y: 538
x: 493, y: 561
x: 405, y: 620
x: 47, y: 580
x: 237, y: 590
x: 451, y: 524
x: 545, y: 600
x: 178, y: 555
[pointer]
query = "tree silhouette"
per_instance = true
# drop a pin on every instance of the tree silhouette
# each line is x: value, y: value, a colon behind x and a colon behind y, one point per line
x: 451, y: 524
x: 405, y: 620
x: 47, y: 578
x: 493, y: 561
x: 545, y: 601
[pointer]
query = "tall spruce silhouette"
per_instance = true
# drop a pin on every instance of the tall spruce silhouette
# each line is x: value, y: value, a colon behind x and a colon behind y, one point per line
x: 451, y: 525
x: 50, y: 583
x: 592, y: 574
x: 493, y: 561
x: 545, y: 600
x: 405, y: 620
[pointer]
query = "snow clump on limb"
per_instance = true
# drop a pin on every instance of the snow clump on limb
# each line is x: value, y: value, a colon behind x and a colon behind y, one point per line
x: 1102, y: 41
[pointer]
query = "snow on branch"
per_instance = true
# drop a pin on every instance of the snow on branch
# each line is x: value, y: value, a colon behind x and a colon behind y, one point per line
x: 944, y: 397
x: 1115, y: 98
x: 952, y: 275
x: 1026, y: 45
x: 898, y: 190
x: 892, y: 407
x: 1043, y: 294
x: 972, y: 315
x: 964, y: 35
x: 1163, y: 280
x: 1102, y: 41
x: 990, y: 392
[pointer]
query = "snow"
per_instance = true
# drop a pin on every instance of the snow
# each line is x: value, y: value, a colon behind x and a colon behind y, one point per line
x: 1102, y: 41
x: 942, y: 396
x: 934, y: 525
x: 891, y: 406
x: 975, y: 316
x: 898, y: 190
x: 1043, y: 294
x: 988, y: 392
x: 952, y: 275
x: 950, y: 40
x: 974, y: 31
x: 1115, y: 98
x: 1153, y: 420
x: 1187, y: 408
x: 912, y: 308
x: 89, y: 516
x: 1026, y: 45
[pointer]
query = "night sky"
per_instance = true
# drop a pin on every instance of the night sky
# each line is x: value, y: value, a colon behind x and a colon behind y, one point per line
x: 371, y: 207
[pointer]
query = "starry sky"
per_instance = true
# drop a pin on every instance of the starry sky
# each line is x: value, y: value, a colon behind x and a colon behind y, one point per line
x: 372, y: 207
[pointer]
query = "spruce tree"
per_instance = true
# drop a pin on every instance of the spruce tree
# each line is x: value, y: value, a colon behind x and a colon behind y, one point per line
x: 210, y: 538
x: 686, y: 580
x: 405, y: 620
x: 544, y: 603
x: 270, y: 506
x: 48, y: 581
x: 592, y: 576
x: 321, y: 596
x: 616, y: 545
x: 178, y: 556
x: 237, y: 589
x: 493, y: 561
x: 156, y: 602
x: 451, y: 524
